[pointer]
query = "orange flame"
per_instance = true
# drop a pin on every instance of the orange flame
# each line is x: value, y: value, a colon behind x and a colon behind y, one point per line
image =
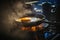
x: 33, y: 28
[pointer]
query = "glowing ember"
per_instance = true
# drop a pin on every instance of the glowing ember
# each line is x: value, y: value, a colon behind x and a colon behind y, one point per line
x: 33, y: 28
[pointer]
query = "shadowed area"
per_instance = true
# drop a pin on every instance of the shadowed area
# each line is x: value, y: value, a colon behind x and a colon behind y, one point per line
x: 11, y: 10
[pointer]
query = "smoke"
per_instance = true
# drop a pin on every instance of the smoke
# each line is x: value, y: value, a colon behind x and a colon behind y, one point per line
x: 8, y: 24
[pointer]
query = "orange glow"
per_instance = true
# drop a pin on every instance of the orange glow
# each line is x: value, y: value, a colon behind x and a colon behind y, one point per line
x: 40, y: 26
x: 25, y: 28
x: 33, y: 28
x: 25, y: 19
x: 22, y: 28
x: 28, y: 19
